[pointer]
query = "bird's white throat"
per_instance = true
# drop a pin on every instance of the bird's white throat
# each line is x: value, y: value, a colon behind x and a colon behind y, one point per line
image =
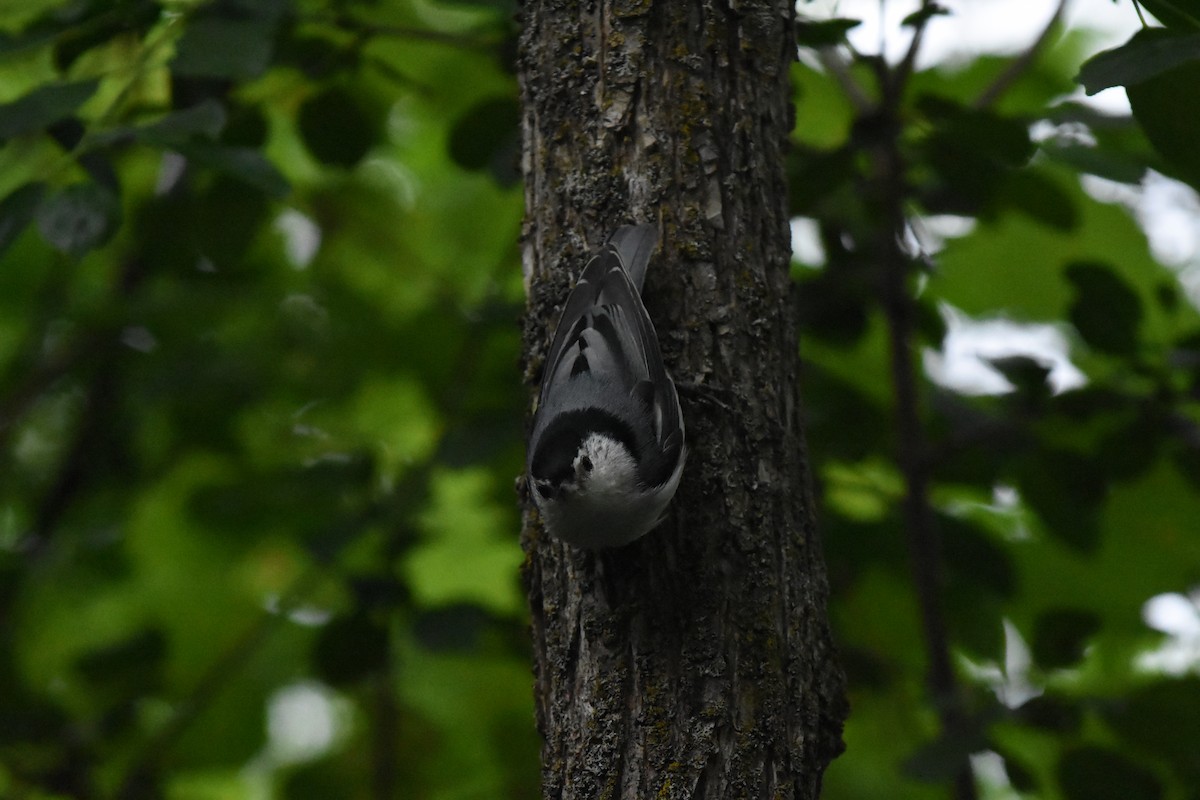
x: 613, y: 472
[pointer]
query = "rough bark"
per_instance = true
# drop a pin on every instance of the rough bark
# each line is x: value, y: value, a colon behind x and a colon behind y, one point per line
x: 697, y: 661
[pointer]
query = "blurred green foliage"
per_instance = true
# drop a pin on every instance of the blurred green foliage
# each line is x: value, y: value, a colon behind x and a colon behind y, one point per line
x: 259, y: 406
x: 1066, y: 499
x: 260, y: 412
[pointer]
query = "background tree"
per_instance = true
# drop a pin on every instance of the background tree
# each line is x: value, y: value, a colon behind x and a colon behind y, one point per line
x: 695, y: 662
x: 1036, y: 517
x: 259, y: 417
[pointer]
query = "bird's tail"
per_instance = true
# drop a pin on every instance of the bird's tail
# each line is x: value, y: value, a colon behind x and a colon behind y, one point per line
x: 635, y: 244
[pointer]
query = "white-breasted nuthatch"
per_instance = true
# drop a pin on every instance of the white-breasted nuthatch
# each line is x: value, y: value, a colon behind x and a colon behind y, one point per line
x: 607, y: 448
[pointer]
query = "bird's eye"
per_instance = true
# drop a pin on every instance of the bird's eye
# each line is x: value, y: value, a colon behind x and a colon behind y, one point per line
x: 544, y: 488
x: 585, y: 464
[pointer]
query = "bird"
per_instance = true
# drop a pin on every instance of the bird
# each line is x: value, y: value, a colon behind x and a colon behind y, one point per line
x: 607, y: 447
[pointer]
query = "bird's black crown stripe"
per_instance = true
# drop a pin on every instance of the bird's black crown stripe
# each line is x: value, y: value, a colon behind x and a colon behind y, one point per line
x: 559, y: 445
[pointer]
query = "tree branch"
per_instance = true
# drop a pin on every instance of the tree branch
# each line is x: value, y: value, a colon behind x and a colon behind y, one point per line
x: 900, y: 74
x: 385, y: 736
x: 75, y: 469
x: 99, y: 345
x: 17, y: 401
x: 141, y: 769
x: 1022, y: 63
x: 924, y: 546
x: 839, y: 70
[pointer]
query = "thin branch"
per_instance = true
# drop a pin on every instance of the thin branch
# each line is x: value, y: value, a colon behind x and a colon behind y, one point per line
x: 831, y: 59
x: 34, y: 368
x: 1022, y: 63
x: 920, y: 526
x: 102, y: 346
x: 384, y: 718
x: 1175, y: 9
x: 30, y: 388
x: 141, y: 769
x: 237, y: 653
x: 1138, y: 8
x: 924, y: 545
x: 77, y: 465
x: 903, y: 70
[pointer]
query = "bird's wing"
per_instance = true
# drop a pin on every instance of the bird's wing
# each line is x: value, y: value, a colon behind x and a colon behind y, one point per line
x: 593, y: 335
x: 635, y: 244
x: 605, y: 333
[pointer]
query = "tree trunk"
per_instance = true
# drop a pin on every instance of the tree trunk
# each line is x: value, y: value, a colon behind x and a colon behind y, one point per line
x: 695, y: 662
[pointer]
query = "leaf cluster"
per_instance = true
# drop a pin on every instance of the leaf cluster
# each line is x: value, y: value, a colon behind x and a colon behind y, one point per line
x: 258, y: 412
x: 957, y: 215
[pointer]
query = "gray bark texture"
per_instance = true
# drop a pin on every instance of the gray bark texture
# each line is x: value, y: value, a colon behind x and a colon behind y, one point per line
x: 697, y: 661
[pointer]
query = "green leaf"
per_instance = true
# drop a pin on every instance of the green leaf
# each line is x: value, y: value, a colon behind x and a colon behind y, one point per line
x: 17, y: 210
x: 486, y: 137
x: 823, y: 32
x: 1120, y: 150
x: 844, y: 424
x: 339, y: 773
x: 336, y: 128
x: 824, y: 114
x: 1097, y: 161
x: 1151, y: 52
x: 1027, y: 375
x: 1095, y: 773
x: 93, y: 24
x: 351, y: 649
x: 1015, y: 267
x: 206, y: 119
x: 1040, y: 198
x: 1019, y: 776
x: 270, y: 10
x: 121, y: 671
x: 79, y: 218
x: 923, y: 14
x: 235, y: 49
x: 466, y: 555
x: 1002, y: 139
x: 1153, y: 720
x: 1066, y: 490
x: 1157, y: 105
x: 815, y: 177
x: 941, y: 759
x: 828, y: 308
x: 319, y: 57
x: 973, y: 557
x: 1060, y: 636
x: 1133, y: 446
x: 971, y: 154
x: 311, y: 500
x: 503, y: 7
x: 457, y: 627
x: 43, y: 107
x: 1051, y: 712
x: 1182, y: 14
x: 19, y: 44
x: 246, y: 164
x: 1106, y: 311
x: 979, y: 575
